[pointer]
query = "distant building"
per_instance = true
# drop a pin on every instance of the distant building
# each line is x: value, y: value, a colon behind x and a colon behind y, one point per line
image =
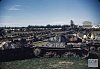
x: 87, y: 24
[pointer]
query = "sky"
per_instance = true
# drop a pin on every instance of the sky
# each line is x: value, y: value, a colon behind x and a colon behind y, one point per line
x: 16, y: 13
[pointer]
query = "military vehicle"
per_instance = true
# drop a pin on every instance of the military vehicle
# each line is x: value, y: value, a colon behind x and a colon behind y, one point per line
x: 62, y: 44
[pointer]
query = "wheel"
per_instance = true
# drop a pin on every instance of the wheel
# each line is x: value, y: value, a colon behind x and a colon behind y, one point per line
x: 37, y: 52
x: 65, y: 54
x: 98, y: 49
x: 69, y: 54
x: 92, y: 48
x: 50, y: 54
x: 85, y: 55
x: 47, y: 54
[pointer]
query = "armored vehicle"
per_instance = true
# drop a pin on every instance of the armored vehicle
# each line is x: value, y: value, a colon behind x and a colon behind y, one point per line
x: 64, y: 44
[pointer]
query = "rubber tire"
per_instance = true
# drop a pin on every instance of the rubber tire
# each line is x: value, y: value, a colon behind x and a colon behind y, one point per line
x: 98, y: 49
x: 37, y: 52
x: 92, y: 48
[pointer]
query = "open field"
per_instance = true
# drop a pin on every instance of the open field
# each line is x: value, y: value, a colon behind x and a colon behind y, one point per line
x: 46, y: 63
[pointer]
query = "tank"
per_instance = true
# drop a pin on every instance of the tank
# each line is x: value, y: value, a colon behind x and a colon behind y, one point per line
x: 59, y: 44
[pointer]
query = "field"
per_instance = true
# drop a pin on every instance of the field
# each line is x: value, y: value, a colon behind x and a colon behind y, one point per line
x: 46, y: 63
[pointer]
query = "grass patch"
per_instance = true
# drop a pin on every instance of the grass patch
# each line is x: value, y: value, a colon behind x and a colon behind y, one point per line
x: 46, y: 63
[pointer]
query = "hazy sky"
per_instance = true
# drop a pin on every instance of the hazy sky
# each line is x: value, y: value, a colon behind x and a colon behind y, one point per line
x: 43, y: 12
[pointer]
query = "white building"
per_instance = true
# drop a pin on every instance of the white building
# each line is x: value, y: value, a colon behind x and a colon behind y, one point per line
x: 87, y: 24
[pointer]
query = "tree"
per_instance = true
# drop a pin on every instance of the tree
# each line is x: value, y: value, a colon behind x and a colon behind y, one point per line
x: 48, y: 26
x: 63, y: 27
x: 2, y: 32
x: 72, y: 23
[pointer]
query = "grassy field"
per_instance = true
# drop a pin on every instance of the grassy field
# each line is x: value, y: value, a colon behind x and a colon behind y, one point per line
x: 46, y: 63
